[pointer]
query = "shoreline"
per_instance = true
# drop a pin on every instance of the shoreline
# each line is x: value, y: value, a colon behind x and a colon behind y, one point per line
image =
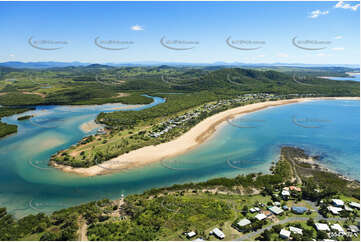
x: 188, y: 141
x: 89, y: 126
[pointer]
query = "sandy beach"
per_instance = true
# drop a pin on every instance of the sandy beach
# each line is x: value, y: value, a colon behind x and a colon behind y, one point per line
x: 186, y: 142
x: 89, y: 126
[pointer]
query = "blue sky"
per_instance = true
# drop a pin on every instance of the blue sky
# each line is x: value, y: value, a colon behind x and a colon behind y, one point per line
x: 205, y: 26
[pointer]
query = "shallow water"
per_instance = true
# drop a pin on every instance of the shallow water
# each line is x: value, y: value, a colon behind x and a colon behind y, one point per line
x: 28, y: 185
x: 355, y: 78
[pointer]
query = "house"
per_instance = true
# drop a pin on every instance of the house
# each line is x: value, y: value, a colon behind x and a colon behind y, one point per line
x: 347, y: 208
x: 243, y: 222
x: 354, y: 205
x: 322, y: 227
x: 337, y: 228
x: 285, y: 208
x: 285, y: 234
x: 218, y: 233
x: 275, y: 210
x: 260, y: 216
x: 298, y: 210
x: 293, y: 188
x: 191, y: 234
x: 255, y: 209
x: 285, y: 193
x: 337, y: 202
x: 353, y: 229
x: 334, y: 210
x: 267, y: 213
x: 295, y: 230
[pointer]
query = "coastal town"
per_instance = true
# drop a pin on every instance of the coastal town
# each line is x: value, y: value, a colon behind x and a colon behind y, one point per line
x: 284, y: 219
x: 221, y: 105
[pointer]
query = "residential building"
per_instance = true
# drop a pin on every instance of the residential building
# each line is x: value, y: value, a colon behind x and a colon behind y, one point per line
x: 337, y: 228
x: 334, y: 210
x: 243, y: 222
x: 322, y: 227
x: 337, y: 202
x: 260, y: 216
x: 295, y: 230
x: 298, y: 210
x: 276, y: 210
x: 191, y: 234
x: 285, y: 234
x: 218, y: 233
x: 354, y: 205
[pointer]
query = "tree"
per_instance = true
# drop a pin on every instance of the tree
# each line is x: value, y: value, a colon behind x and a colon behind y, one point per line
x: 266, y: 235
x: 321, y: 235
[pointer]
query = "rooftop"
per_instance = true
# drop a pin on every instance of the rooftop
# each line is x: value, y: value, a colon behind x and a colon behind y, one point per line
x: 337, y: 227
x: 276, y: 210
x: 260, y: 216
x: 322, y: 227
x: 243, y: 222
x: 296, y: 230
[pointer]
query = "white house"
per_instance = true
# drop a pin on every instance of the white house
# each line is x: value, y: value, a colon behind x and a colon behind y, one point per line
x: 354, y: 205
x: 260, y: 216
x: 338, y: 228
x: 255, y: 209
x: 191, y: 234
x: 295, y: 230
x: 243, y: 222
x: 285, y: 234
x: 334, y: 210
x: 322, y: 227
x: 347, y: 208
x: 218, y: 233
x: 276, y: 210
x: 285, y: 193
x: 338, y: 202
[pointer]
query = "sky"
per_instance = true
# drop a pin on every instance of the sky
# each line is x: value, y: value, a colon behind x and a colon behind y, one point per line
x: 193, y: 32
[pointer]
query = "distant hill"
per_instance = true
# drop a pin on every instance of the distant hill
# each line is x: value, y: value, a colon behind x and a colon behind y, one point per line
x: 215, y: 65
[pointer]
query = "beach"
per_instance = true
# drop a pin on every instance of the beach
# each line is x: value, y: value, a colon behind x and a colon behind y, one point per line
x: 89, y: 126
x: 184, y: 143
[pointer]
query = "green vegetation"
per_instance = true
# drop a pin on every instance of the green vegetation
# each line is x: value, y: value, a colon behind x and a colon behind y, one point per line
x: 6, y: 129
x: 317, y: 176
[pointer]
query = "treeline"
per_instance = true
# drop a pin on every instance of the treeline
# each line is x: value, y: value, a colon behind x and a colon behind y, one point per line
x: 281, y: 173
x: 61, y: 225
x: 6, y: 129
x: 174, y: 104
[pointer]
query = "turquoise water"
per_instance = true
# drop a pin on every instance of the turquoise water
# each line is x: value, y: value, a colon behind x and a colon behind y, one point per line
x: 27, y: 185
x: 355, y: 78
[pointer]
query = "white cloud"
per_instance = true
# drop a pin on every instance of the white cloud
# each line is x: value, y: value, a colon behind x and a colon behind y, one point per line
x: 317, y: 13
x: 343, y: 5
x: 282, y: 55
x: 260, y: 56
x: 338, y: 37
x: 338, y: 48
x: 137, y: 28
